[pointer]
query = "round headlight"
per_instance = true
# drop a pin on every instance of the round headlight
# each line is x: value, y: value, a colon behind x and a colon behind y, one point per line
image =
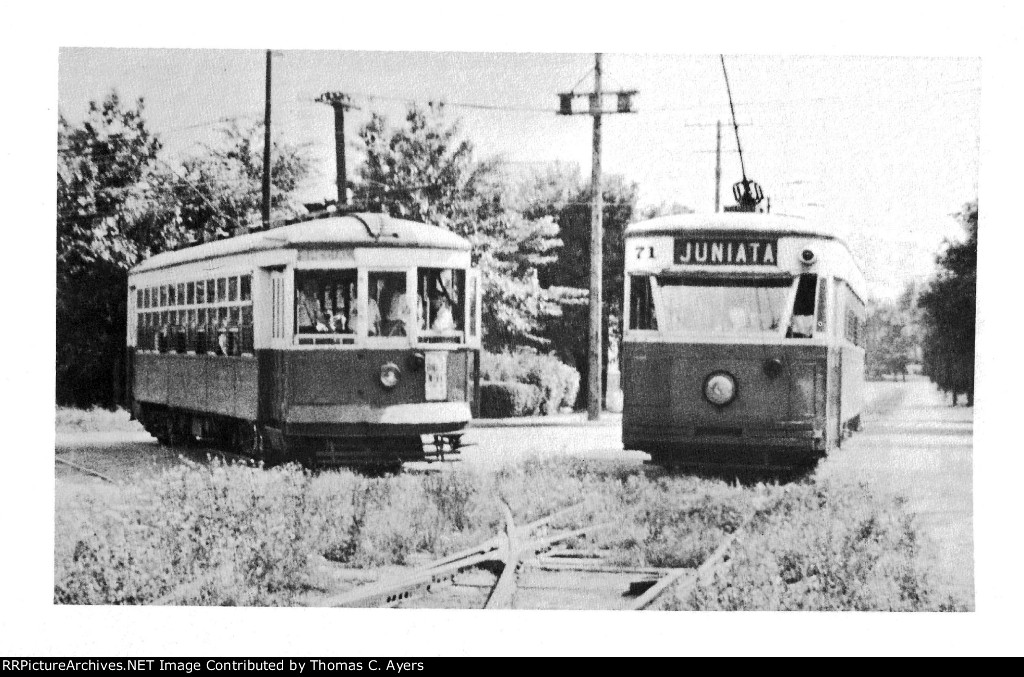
x: 389, y: 375
x: 720, y: 388
x: 807, y: 257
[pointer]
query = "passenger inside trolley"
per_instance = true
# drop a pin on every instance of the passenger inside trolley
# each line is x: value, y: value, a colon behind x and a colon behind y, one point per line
x: 324, y: 301
x: 388, y: 291
x: 440, y: 294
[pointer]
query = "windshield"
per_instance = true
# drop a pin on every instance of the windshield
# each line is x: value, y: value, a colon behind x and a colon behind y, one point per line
x: 723, y: 307
x: 325, y: 301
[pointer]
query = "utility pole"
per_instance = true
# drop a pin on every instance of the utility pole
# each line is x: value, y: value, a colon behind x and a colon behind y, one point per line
x: 340, y: 103
x: 266, y: 150
x: 718, y: 168
x: 596, y: 110
x: 596, y: 253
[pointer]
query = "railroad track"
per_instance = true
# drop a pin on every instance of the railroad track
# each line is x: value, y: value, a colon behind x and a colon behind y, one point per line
x: 227, y: 456
x: 86, y: 471
x: 522, y: 569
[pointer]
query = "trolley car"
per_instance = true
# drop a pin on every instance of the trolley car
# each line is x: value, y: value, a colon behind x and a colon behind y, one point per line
x: 337, y: 341
x: 743, y: 342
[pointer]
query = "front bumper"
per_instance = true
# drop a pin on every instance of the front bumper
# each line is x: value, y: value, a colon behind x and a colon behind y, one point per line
x: 741, y: 444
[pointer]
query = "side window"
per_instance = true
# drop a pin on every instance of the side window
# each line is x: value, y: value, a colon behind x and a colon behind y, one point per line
x: 641, y: 303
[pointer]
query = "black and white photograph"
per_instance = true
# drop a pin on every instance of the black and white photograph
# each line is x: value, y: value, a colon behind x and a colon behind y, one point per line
x: 396, y: 334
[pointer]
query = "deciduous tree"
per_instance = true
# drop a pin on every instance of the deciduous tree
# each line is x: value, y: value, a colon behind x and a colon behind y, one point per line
x: 949, y: 312
x: 107, y: 177
x: 424, y: 170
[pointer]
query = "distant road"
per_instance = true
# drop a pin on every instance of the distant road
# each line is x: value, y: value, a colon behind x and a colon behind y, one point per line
x: 916, y: 445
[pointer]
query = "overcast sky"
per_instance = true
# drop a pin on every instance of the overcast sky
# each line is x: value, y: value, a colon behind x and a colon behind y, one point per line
x: 878, y: 150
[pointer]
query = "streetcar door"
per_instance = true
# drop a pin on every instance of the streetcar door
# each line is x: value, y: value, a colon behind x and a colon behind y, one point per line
x: 474, y: 294
x: 279, y: 333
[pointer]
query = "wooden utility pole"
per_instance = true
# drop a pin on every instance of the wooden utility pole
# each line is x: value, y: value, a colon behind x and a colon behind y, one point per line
x: 718, y: 168
x: 266, y: 150
x: 624, y: 104
x: 596, y: 253
x: 340, y: 103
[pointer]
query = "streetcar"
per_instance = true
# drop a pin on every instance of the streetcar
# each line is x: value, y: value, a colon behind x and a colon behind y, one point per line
x: 337, y: 341
x: 743, y: 340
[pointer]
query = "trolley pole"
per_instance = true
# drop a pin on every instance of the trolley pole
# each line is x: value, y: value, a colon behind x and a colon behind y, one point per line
x: 340, y: 103
x: 718, y: 168
x: 596, y: 110
x: 266, y: 150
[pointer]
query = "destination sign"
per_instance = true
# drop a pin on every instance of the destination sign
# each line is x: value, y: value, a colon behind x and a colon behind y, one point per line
x: 725, y: 251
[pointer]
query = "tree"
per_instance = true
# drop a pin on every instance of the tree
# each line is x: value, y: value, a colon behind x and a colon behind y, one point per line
x: 892, y: 335
x: 569, y: 199
x: 949, y: 308
x: 424, y: 170
x: 107, y: 219
x: 219, y: 193
x: 118, y: 203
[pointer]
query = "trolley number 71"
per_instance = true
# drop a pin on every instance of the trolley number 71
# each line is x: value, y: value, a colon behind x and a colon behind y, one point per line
x: 644, y: 251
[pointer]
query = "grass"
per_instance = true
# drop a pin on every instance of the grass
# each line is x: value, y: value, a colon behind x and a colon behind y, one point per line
x: 232, y: 535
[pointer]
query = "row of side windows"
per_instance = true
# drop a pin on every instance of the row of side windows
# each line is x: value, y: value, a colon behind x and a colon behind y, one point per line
x: 202, y: 317
x: 203, y: 292
x: 853, y: 327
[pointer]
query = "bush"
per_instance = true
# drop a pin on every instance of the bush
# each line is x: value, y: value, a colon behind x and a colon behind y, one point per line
x: 508, y: 399
x: 825, y: 547
x: 558, y: 383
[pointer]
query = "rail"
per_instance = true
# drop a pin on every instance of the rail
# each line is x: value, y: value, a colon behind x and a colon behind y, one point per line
x: 521, y: 548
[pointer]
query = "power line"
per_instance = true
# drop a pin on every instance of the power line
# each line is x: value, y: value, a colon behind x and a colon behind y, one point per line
x: 454, y: 104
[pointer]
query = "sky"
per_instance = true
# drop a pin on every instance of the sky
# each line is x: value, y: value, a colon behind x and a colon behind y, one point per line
x: 881, y: 151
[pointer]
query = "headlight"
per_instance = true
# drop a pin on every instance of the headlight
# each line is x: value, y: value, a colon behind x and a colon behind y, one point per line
x: 389, y: 375
x: 807, y: 257
x: 720, y: 388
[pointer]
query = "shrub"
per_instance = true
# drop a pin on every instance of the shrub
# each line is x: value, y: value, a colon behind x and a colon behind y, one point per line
x: 71, y: 420
x: 507, y: 399
x: 557, y: 382
x: 223, y: 535
x: 825, y: 547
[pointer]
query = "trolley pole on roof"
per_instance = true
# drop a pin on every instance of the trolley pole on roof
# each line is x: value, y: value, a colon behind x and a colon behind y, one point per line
x: 624, y: 104
x: 718, y: 169
x: 340, y: 103
x: 266, y: 150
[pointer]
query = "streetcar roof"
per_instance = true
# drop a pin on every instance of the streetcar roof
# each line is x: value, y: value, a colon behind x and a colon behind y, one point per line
x: 730, y: 222
x: 350, y: 231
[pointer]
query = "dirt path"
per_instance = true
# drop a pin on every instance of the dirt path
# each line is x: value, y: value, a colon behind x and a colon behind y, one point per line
x: 916, y: 445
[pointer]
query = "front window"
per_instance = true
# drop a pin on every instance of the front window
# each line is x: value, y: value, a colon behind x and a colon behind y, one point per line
x: 440, y: 304
x: 325, y: 301
x: 708, y: 307
x: 389, y: 312
x: 802, y: 324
